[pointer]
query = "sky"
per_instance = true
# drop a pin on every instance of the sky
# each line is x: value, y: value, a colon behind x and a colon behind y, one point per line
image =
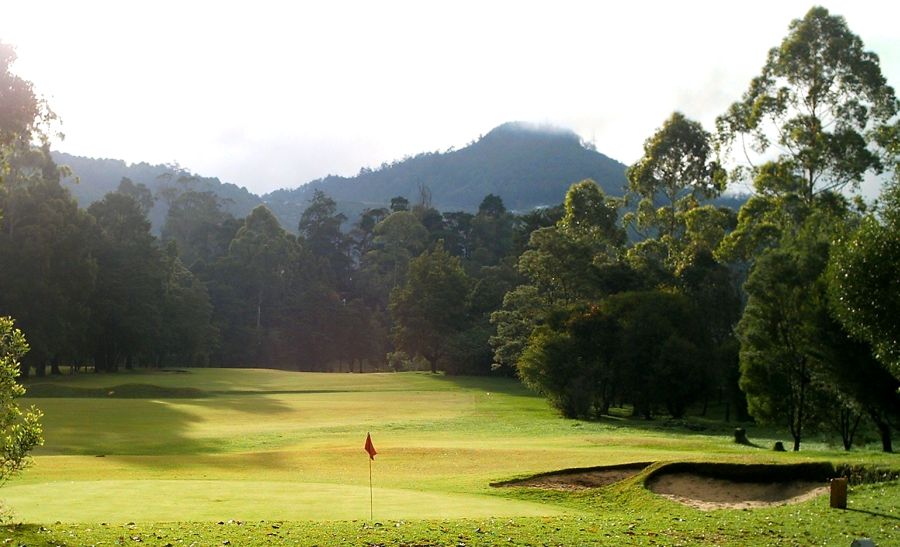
x: 270, y: 94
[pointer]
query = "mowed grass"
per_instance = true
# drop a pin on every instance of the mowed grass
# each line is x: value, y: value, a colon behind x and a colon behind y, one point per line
x: 275, y: 446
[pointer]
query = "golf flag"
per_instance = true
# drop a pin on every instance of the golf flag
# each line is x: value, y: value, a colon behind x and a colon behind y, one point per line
x: 370, y: 448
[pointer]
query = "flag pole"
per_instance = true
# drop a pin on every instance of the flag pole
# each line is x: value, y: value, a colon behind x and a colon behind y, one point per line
x: 371, y: 513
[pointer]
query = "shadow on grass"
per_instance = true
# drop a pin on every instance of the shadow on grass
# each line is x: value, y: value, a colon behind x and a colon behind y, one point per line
x: 874, y: 513
x: 495, y: 384
x: 107, y: 426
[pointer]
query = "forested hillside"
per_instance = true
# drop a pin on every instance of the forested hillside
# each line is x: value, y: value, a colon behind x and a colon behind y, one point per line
x: 94, y: 178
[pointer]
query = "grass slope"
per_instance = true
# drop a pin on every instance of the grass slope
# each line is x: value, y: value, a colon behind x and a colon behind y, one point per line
x: 274, y: 448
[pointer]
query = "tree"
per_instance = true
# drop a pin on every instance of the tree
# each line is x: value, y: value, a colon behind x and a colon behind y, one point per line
x: 49, y: 240
x: 127, y: 302
x: 22, y: 114
x: 563, y: 367
x: 139, y: 192
x: 820, y: 104
x: 187, y: 335
x: 397, y: 240
x: 200, y: 228
x: 854, y: 382
x: 643, y: 346
x: 571, y: 261
x: 431, y: 306
x: 250, y: 284
x: 320, y: 232
x: 563, y: 261
x: 865, y: 286
x: 779, y: 339
x: 20, y: 431
x: 492, y: 232
x: 676, y: 172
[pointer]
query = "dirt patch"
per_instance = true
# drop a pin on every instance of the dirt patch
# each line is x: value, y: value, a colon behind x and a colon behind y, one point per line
x: 579, y: 479
x: 708, y: 493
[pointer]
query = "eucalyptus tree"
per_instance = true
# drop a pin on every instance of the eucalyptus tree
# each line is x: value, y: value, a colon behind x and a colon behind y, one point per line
x: 675, y: 175
x: 816, y: 120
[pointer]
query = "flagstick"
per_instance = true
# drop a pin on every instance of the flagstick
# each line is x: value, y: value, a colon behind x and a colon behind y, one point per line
x: 371, y: 517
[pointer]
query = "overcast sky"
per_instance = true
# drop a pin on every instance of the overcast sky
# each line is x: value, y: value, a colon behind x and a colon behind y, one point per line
x: 270, y: 94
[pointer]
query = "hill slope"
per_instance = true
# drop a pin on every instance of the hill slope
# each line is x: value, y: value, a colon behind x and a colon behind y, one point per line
x: 97, y: 177
x: 525, y: 165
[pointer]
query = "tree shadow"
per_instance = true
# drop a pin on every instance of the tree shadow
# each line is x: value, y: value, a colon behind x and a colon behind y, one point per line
x: 494, y: 384
x: 91, y: 426
x: 874, y: 513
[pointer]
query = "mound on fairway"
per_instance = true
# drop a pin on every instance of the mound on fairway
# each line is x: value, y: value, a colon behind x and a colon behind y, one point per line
x: 732, y: 486
x: 579, y: 479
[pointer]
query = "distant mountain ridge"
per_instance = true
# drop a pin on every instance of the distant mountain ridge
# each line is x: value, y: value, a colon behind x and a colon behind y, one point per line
x: 527, y: 166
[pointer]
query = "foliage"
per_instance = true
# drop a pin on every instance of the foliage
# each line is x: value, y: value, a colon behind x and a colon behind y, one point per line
x: 644, y: 347
x: 431, y: 306
x: 49, y: 240
x: 23, y: 116
x: 821, y: 102
x: 865, y: 287
x: 20, y: 431
x: 676, y: 173
x: 199, y: 227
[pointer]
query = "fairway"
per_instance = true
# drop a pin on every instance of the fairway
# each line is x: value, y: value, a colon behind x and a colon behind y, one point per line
x: 261, y: 445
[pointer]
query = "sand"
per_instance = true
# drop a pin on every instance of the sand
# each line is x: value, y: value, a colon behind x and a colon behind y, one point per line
x: 707, y: 493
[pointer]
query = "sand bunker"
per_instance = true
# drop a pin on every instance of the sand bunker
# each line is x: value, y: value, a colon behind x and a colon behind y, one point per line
x: 709, y: 493
x: 704, y: 486
x: 579, y: 479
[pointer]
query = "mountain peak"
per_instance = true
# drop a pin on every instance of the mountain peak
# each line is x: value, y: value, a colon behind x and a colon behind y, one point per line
x: 520, y: 128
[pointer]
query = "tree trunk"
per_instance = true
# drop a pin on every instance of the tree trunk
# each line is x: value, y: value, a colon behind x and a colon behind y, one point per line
x: 884, y: 430
x: 54, y: 367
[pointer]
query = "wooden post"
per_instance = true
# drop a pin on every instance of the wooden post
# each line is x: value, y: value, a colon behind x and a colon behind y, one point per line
x: 839, y: 493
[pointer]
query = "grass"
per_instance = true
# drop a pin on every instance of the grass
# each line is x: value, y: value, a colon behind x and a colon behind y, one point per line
x: 277, y: 456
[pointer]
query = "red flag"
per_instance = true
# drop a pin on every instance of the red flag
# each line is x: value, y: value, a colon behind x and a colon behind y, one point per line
x: 370, y: 448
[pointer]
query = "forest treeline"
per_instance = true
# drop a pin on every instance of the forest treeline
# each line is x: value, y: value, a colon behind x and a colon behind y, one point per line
x: 657, y: 301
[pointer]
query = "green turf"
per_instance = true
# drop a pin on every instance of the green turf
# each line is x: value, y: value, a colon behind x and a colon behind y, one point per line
x: 260, y: 445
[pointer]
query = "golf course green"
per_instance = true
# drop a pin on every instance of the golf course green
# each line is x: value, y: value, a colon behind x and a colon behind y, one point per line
x: 200, y: 447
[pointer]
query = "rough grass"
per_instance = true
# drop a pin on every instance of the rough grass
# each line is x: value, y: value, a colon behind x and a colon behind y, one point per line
x: 286, y: 449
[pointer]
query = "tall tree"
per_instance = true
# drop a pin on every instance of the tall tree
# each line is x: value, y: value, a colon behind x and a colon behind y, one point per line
x: 676, y: 172
x: 127, y: 302
x: 250, y: 285
x: 50, y: 241
x: 22, y: 113
x: 320, y: 232
x: 492, y: 232
x: 819, y: 103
